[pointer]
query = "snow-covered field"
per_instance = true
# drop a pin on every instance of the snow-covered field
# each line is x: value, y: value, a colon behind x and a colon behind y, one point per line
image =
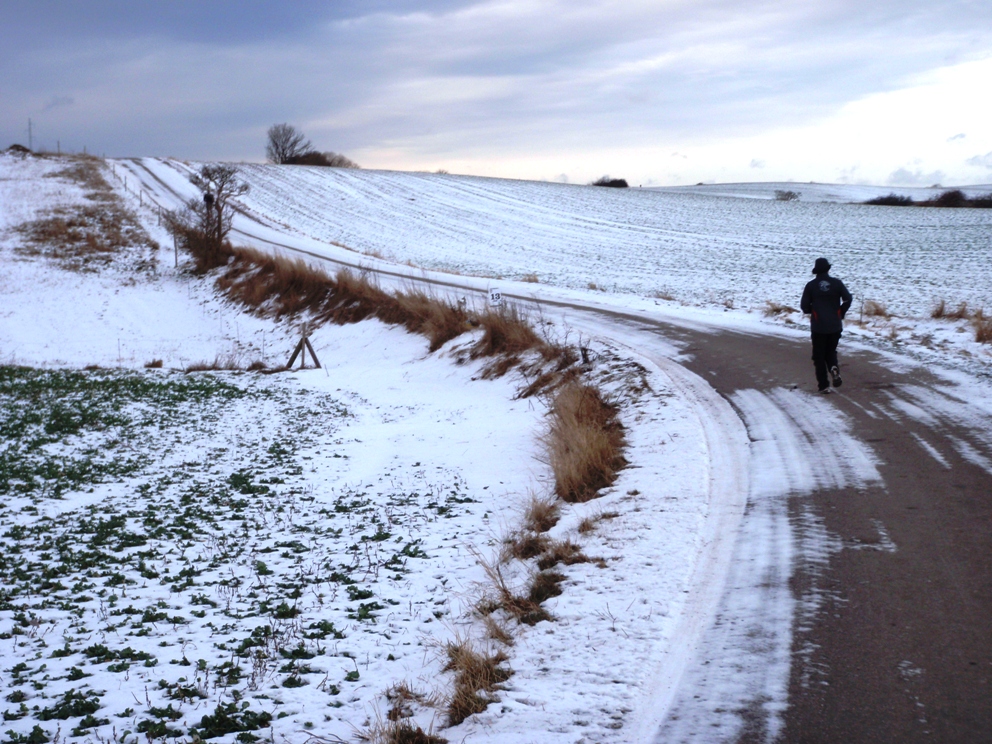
x: 280, y: 551
x: 698, y: 245
x: 229, y: 552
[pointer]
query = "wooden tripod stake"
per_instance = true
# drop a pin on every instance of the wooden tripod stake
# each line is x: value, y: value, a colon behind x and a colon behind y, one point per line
x: 302, y: 348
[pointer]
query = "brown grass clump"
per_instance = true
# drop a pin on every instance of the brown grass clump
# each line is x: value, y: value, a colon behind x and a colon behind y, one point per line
x: 589, y: 523
x: 546, y: 584
x: 775, y: 308
x: 154, y: 364
x: 405, y: 732
x: 530, y: 278
x: 562, y: 551
x: 940, y: 310
x: 540, y: 514
x: 584, y: 442
x: 497, y: 631
x: 525, y: 610
x: 438, y: 320
x: 280, y: 286
x: 274, y: 284
x: 527, y: 545
x: 478, y: 674
x: 506, y: 332
x: 219, y: 363
x: 388, y: 732
x: 875, y: 309
x: 983, y: 330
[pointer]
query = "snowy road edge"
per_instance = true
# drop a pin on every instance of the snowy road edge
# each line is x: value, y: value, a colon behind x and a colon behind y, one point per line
x: 727, y: 445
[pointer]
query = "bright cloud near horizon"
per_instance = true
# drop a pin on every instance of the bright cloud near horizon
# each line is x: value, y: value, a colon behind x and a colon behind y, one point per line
x: 661, y: 92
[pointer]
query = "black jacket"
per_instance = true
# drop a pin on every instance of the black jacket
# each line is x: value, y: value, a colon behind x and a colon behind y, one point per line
x: 827, y: 300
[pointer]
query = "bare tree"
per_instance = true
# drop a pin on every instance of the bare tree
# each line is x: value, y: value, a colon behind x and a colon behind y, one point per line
x: 286, y: 142
x: 202, y: 226
x: 219, y: 183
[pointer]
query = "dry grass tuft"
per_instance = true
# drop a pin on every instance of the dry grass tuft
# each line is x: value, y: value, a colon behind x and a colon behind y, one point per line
x: 438, y: 320
x: 527, y: 545
x: 562, y: 551
x: 497, y: 631
x: 388, y: 732
x: 154, y: 364
x: 775, y: 308
x: 540, y: 514
x: 279, y: 286
x: 875, y: 309
x: 584, y: 442
x: 983, y: 330
x: 478, y: 674
x: 506, y: 332
x: 523, y: 609
x: 940, y: 310
x: 273, y: 285
x: 589, y: 523
x: 545, y: 585
x: 228, y: 362
x: 530, y: 278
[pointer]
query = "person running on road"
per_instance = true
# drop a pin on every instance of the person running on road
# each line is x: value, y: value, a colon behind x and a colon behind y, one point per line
x: 826, y: 300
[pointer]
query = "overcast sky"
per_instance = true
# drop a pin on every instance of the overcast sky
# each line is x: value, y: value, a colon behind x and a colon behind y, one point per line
x: 661, y: 92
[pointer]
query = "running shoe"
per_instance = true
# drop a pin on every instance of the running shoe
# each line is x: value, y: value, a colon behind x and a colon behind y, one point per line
x: 835, y: 377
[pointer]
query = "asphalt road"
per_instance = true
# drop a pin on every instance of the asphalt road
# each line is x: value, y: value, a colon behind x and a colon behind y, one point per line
x: 900, y: 648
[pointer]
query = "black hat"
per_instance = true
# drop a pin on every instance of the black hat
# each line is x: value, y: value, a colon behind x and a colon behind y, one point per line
x: 822, y: 266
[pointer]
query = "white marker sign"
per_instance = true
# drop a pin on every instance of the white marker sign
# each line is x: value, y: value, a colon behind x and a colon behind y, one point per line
x: 495, y: 297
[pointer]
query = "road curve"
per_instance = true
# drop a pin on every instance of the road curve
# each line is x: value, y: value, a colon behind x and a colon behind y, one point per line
x: 892, y: 635
x: 899, y: 648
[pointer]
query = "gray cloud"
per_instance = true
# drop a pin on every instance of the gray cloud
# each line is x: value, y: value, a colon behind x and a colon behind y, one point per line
x: 956, y: 137
x: 56, y: 101
x: 757, y: 164
x: 905, y: 177
x: 461, y: 79
x: 981, y: 161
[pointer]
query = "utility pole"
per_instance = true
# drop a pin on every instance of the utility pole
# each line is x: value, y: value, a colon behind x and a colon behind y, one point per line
x: 30, y: 137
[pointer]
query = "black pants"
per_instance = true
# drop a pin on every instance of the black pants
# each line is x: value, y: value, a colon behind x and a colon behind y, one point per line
x: 824, y: 356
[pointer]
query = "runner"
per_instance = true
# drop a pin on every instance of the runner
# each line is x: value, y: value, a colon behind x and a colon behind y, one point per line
x: 826, y: 300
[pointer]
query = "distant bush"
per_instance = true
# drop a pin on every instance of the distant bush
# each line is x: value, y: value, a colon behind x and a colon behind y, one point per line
x: 953, y: 199
x: 326, y: 159
x: 892, y: 200
x: 783, y: 195
x: 613, y: 183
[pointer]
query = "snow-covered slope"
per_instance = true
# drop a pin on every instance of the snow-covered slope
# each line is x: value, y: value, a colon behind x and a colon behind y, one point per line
x: 698, y: 246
